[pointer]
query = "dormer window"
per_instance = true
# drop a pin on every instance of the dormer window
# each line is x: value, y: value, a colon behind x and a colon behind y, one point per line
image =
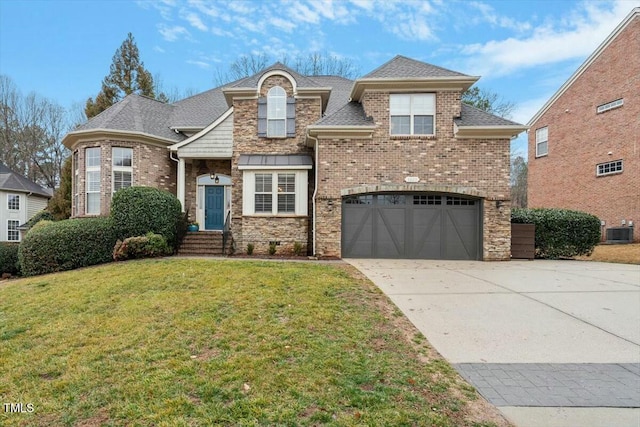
x: 412, y: 114
x: 277, y: 114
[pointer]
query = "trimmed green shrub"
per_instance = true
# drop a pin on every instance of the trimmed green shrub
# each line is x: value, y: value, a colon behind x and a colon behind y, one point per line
x: 9, y: 258
x: 40, y: 216
x: 68, y: 244
x: 560, y: 233
x: 137, y: 211
x: 147, y: 246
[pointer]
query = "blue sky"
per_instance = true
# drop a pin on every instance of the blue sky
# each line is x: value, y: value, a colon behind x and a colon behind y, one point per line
x: 524, y: 50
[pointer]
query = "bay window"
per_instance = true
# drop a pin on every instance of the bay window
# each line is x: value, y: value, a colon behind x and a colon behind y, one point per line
x: 92, y: 181
x: 122, y: 169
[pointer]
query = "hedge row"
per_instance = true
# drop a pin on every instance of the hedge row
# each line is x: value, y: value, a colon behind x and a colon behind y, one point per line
x: 147, y: 246
x: 74, y: 243
x: 560, y: 233
x: 67, y: 244
x: 9, y: 258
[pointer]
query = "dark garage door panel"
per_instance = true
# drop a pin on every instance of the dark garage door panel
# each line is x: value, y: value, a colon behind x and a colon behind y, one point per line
x: 383, y: 226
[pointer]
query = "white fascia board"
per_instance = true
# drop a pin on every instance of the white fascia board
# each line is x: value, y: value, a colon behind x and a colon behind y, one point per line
x: 72, y: 138
x: 488, y: 132
x: 204, y: 131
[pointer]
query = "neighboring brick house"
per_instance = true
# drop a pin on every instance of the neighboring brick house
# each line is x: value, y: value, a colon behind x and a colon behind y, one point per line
x: 389, y: 165
x: 20, y: 200
x: 584, y: 144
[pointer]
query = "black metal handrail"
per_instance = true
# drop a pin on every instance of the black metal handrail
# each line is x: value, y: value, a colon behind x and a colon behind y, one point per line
x: 225, y: 232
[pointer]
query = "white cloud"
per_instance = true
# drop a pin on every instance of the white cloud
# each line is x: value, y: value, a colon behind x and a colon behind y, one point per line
x: 158, y: 49
x: 489, y: 15
x: 549, y: 43
x: 172, y: 33
x: 281, y: 24
x: 200, y: 64
x: 195, y: 21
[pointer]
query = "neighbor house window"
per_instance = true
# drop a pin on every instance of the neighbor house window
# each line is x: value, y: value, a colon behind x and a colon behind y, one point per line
x: 122, y: 169
x: 610, y: 105
x: 92, y: 181
x: 542, y: 141
x: 609, y: 168
x: 13, y: 234
x: 275, y: 192
x: 13, y: 202
x: 412, y: 114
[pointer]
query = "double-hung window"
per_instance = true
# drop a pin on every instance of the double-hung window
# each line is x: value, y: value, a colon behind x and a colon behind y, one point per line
x: 275, y: 192
x: 13, y: 234
x: 412, y: 114
x: 92, y: 180
x: 542, y: 141
x: 13, y: 202
x: 122, y: 169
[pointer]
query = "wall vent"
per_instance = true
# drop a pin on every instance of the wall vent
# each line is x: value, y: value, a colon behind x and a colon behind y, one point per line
x: 620, y: 235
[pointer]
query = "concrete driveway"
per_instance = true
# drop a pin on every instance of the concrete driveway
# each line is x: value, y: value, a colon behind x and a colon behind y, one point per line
x: 550, y: 343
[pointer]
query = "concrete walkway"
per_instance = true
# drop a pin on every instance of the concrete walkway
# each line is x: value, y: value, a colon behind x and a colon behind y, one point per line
x: 550, y: 343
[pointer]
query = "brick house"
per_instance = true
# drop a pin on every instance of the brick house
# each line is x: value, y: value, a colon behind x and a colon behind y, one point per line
x: 584, y: 142
x: 389, y: 165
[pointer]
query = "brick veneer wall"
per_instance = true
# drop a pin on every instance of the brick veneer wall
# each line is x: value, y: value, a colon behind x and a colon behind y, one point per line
x: 259, y: 230
x: 193, y: 171
x: 151, y: 167
x: 579, y: 139
x: 442, y: 161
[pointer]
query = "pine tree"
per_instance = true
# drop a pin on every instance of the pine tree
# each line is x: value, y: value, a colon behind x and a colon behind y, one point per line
x: 126, y: 75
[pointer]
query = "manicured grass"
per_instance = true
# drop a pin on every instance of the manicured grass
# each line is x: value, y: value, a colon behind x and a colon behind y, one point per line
x: 625, y: 254
x: 184, y: 342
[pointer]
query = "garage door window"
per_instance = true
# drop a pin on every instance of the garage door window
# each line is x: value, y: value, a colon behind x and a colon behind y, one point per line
x: 457, y: 201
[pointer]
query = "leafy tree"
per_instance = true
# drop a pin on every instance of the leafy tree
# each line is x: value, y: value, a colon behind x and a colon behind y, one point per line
x: 60, y: 204
x: 127, y: 75
x: 488, y: 101
x: 519, y: 169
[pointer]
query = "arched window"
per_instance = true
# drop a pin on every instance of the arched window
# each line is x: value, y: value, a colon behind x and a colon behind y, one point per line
x: 276, y: 112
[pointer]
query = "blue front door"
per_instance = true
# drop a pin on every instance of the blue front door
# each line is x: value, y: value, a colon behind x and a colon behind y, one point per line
x: 214, y: 207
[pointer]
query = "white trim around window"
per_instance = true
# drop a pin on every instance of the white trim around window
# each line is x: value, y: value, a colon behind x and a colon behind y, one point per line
x: 412, y: 114
x: 274, y: 192
x: 13, y: 202
x: 609, y: 168
x: 92, y: 180
x: 76, y: 184
x: 122, y: 169
x: 542, y: 141
x: 13, y: 234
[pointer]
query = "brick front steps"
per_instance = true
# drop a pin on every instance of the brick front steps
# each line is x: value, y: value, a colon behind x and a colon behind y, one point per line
x: 204, y: 243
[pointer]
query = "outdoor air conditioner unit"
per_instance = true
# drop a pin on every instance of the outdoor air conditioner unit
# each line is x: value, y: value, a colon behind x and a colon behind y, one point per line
x: 620, y: 235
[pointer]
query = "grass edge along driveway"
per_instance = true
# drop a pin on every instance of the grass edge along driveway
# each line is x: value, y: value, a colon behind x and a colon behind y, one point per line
x: 191, y: 342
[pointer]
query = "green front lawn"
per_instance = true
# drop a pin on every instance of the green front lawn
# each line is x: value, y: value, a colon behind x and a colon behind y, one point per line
x: 184, y: 342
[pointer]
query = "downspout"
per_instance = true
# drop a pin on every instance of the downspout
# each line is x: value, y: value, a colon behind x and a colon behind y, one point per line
x: 315, y: 192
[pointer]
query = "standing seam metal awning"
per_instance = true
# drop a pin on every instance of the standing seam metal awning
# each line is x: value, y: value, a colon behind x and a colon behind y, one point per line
x: 266, y: 161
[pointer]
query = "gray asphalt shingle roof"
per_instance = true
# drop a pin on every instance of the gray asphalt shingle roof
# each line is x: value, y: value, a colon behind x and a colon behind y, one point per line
x: 11, y: 181
x: 141, y: 114
x: 136, y: 113
x: 403, y: 67
x: 472, y: 116
x: 351, y: 114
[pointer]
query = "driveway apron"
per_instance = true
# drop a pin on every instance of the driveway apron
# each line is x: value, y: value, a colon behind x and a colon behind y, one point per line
x: 550, y: 343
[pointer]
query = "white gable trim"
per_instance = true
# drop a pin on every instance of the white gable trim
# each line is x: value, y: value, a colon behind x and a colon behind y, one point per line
x: 268, y: 74
x: 634, y: 14
x: 204, y: 131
